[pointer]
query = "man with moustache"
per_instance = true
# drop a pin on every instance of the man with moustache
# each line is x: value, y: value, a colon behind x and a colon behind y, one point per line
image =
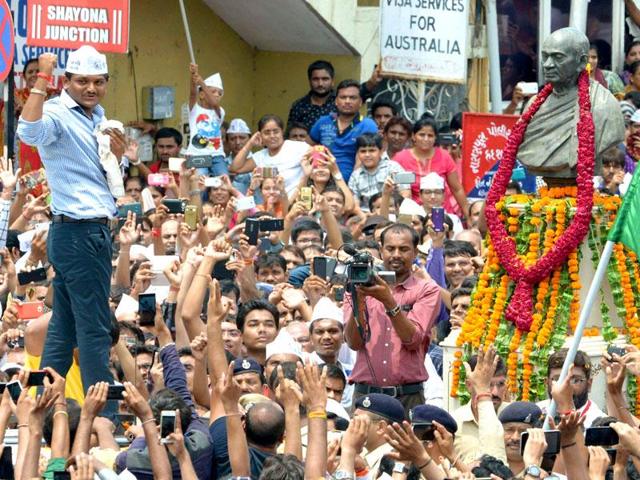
x: 516, y: 419
x: 321, y: 98
x: 580, y: 383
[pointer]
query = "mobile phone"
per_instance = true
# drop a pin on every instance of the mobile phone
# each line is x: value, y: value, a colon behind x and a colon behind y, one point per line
x: 424, y: 430
x: 123, y: 422
x: 34, y: 179
x: 448, y: 139
x: 167, y: 423
x: 252, y: 230
x: 158, y: 179
x: 324, y: 267
x: 388, y: 276
x: 17, y: 344
x: 3, y: 386
x: 306, y: 197
x: 123, y: 210
x: 199, y: 161
x: 147, y: 309
x: 437, y: 218
x: 272, y: 225
x: 6, y: 463
x: 213, y: 182
x: 620, y: 351
x: 61, y: 476
x: 191, y: 216
x: 528, y: 88
x: 34, y: 276
x: 405, y: 178
x: 317, y: 155
x: 29, y: 310
x: 36, y: 378
x: 612, y: 454
x: 175, y: 164
x: 175, y: 206
x: 600, y: 436
x: 15, y: 389
x: 269, y: 172
x: 245, y: 203
x: 405, y: 219
x: 339, y: 294
x: 114, y: 392
x: 551, y: 436
x: 221, y: 272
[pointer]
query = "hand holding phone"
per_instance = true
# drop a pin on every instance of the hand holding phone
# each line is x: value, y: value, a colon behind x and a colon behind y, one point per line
x: 147, y: 309
x: 167, y: 425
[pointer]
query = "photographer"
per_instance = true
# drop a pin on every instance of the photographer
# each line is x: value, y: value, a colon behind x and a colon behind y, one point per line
x: 396, y: 326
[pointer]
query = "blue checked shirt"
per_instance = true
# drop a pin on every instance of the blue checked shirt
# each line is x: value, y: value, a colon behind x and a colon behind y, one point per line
x: 69, y: 150
x: 365, y: 184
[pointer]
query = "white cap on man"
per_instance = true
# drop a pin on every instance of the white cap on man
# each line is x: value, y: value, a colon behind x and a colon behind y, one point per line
x: 325, y: 309
x: 214, y: 80
x: 87, y: 61
x: 283, y: 343
x: 410, y: 207
x: 239, y: 126
x: 432, y: 181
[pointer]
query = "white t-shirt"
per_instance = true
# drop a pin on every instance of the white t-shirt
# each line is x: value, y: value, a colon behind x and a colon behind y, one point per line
x: 287, y: 161
x: 204, y: 125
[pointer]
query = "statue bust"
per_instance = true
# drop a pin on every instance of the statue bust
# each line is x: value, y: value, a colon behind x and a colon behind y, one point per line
x: 550, y: 144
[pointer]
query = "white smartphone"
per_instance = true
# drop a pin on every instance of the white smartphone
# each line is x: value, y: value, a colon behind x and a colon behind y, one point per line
x: 528, y: 88
x: 245, y: 203
x: 213, y: 182
x: 167, y: 424
x: 175, y: 164
x: 147, y: 200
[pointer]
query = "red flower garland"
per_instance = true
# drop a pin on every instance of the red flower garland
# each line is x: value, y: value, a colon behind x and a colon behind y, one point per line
x: 520, y: 308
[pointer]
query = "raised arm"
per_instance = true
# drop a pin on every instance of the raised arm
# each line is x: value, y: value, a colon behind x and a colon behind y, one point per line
x: 242, y: 163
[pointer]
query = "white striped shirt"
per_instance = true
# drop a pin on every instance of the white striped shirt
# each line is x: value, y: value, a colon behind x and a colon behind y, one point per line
x: 69, y: 150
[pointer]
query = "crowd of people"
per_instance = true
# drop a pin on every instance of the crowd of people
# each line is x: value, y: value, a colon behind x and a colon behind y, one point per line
x: 266, y: 304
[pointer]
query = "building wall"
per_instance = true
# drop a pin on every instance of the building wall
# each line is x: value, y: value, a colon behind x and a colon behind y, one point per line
x: 159, y: 56
x: 280, y: 78
x: 256, y: 82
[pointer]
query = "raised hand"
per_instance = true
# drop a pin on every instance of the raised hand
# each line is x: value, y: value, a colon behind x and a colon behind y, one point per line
x: 479, y: 380
x: 407, y: 446
x: 216, y: 311
x: 129, y: 233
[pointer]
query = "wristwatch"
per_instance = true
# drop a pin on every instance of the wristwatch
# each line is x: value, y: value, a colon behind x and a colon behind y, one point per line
x: 399, y: 467
x: 394, y: 311
x: 533, y: 471
x: 338, y: 176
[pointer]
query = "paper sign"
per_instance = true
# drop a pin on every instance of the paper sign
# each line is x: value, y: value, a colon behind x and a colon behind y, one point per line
x: 424, y: 39
x: 73, y: 23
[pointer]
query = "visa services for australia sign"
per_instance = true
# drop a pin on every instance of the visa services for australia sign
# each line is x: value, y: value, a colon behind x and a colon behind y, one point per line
x: 104, y: 24
x: 424, y: 39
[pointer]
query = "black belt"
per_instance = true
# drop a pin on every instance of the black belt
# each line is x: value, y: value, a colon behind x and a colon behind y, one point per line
x: 406, y: 389
x: 65, y: 219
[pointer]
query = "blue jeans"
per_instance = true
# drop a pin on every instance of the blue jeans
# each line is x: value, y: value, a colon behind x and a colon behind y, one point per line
x: 81, y: 255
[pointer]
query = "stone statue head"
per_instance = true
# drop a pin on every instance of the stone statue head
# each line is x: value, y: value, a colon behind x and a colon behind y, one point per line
x: 564, y: 55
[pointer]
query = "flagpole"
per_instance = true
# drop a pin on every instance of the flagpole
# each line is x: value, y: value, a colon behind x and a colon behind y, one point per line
x: 582, y: 322
x: 187, y: 32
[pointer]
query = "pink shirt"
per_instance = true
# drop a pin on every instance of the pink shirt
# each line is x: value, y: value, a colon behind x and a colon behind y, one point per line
x: 441, y: 163
x: 394, y: 362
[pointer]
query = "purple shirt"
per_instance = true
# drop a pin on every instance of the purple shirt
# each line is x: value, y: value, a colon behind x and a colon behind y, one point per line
x: 392, y: 361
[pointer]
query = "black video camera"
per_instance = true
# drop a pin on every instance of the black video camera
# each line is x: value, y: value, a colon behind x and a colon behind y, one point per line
x: 360, y: 270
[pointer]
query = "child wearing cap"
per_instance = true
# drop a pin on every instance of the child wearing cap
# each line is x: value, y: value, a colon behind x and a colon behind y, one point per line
x: 205, y: 121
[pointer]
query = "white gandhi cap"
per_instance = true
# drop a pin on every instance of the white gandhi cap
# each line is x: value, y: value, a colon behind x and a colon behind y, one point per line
x: 432, y: 181
x: 215, y: 81
x: 87, y: 61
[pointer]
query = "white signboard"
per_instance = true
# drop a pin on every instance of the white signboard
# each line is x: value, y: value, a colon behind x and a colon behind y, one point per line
x: 424, y: 39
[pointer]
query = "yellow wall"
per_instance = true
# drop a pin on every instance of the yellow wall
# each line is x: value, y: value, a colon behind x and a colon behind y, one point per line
x: 159, y: 54
x: 281, y: 78
x: 256, y: 82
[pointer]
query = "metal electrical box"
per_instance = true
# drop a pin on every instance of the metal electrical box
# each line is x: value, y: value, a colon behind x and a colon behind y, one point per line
x: 158, y: 102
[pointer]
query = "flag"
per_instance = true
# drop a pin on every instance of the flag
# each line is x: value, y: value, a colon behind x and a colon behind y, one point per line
x: 626, y: 228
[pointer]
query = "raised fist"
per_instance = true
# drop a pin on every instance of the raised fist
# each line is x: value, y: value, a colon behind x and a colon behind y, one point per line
x: 47, y: 62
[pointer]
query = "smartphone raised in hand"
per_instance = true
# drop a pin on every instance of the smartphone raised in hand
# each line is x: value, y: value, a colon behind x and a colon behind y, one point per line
x: 147, y: 309
x: 167, y: 424
x: 552, y: 438
x: 114, y: 392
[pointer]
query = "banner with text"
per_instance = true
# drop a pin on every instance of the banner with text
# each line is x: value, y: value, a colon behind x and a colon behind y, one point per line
x: 485, y: 136
x: 103, y: 24
x: 424, y: 39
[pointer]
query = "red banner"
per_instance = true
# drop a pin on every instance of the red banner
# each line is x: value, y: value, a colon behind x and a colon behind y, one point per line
x: 103, y: 24
x: 484, y: 138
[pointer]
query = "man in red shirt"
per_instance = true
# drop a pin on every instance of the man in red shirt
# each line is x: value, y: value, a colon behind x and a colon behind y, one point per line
x: 168, y: 142
x: 400, y: 316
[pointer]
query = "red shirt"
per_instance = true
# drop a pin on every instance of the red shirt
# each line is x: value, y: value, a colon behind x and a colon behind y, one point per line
x: 441, y: 163
x: 394, y: 362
